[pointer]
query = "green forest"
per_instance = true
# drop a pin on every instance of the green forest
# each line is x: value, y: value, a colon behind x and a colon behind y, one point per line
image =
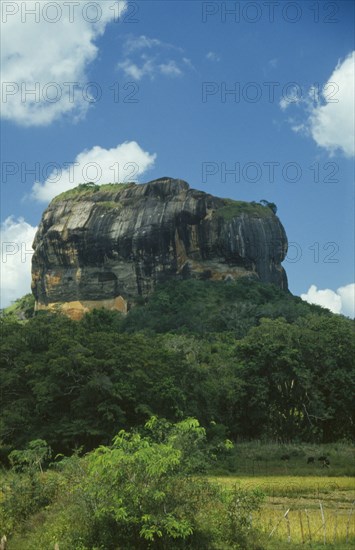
x: 151, y: 401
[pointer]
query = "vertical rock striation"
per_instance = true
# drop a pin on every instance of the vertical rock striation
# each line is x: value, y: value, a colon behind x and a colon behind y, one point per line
x: 104, y: 246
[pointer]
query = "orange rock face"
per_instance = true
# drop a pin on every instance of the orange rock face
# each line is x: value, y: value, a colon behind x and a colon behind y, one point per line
x: 76, y: 309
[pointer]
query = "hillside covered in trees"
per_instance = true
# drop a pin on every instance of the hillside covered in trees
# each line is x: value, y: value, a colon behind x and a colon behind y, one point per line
x: 248, y: 360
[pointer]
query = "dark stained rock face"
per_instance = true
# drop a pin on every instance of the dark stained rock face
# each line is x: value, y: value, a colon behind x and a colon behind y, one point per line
x: 104, y: 246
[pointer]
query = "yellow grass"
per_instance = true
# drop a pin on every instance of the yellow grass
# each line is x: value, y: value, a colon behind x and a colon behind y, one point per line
x: 303, y: 509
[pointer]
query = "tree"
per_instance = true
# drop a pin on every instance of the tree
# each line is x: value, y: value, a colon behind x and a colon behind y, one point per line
x: 299, y: 378
x: 270, y: 205
x: 36, y: 453
x: 139, y: 493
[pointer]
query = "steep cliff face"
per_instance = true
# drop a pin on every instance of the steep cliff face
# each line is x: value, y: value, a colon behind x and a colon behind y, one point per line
x: 104, y: 246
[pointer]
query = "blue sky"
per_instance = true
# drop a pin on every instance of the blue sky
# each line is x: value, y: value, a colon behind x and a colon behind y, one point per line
x: 287, y: 128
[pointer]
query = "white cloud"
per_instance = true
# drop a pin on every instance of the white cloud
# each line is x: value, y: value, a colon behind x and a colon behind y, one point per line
x: 212, y: 56
x: 162, y: 58
x: 132, y: 70
x: 123, y: 163
x: 347, y: 295
x: 330, y: 110
x: 284, y: 104
x: 292, y: 97
x: 332, y: 125
x: 298, y: 128
x: 325, y: 298
x: 133, y: 44
x: 50, y: 57
x: 340, y: 301
x: 170, y: 69
x: 150, y: 67
x: 16, y: 252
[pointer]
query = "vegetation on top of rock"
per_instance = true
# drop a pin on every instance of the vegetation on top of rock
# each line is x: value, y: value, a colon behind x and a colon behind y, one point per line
x: 231, y: 208
x: 89, y: 189
x: 270, y: 205
x: 234, y: 208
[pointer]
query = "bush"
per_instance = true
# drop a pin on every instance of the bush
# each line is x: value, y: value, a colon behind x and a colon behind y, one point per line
x: 141, y: 493
x: 24, y: 494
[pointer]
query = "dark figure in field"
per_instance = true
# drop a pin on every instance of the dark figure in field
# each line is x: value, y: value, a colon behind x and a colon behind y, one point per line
x: 310, y: 460
x: 285, y: 457
x: 322, y: 458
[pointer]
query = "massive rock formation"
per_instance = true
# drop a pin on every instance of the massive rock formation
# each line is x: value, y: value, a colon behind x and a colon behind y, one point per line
x: 104, y: 246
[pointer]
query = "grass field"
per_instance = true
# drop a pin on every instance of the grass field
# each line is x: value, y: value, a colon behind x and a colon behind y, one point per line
x: 308, y: 510
x: 306, y: 504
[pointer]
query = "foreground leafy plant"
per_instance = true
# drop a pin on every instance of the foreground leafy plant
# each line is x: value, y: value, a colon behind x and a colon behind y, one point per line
x: 142, y: 492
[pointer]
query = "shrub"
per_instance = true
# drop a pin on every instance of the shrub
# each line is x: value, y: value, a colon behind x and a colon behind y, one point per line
x: 141, y: 493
